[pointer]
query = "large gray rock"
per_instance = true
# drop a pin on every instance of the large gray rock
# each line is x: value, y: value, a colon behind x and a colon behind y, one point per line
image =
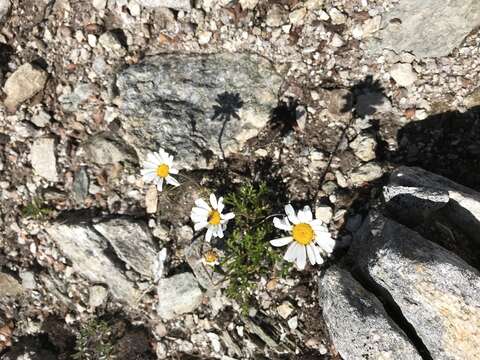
x: 436, y: 291
x: 24, y: 83
x: 43, y: 158
x: 173, y: 4
x: 4, y: 8
x: 178, y: 294
x: 197, y: 106
x: 358, y: 324
x: 415, y: 196
x: 428, y: 28
x: 132, y: 242
x: 87, y: 251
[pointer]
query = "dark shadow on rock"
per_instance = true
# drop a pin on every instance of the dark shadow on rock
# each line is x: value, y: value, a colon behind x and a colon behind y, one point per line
x: 226, y: 109
x: 447, y: 144
x: 283, y: 118
x: 364, y: 97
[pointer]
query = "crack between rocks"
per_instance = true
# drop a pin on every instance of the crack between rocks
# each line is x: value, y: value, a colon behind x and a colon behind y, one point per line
x: 393, y: 311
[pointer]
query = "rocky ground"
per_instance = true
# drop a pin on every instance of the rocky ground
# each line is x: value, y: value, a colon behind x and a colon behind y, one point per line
x: 320, y: 99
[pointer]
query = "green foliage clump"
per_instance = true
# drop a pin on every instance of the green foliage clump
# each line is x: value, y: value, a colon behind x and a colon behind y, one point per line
x: 94, y: 342
x: 249, y: 254
x: 36, y: 210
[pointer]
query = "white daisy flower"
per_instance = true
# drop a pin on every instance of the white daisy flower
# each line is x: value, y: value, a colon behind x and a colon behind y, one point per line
x: 309, y: 238
x: 210, y: 216
x: 158, y: 168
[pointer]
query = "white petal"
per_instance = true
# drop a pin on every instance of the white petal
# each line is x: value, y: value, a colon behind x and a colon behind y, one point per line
x: 227, y: 216
x: 220, y: 204
x: 326, y: 243
x: 151, y: 158
x: 160, y: 184
x: 170, y: 180
x: 281, y: 241
x: 213, y: 201
x: 307, y: 213
x: 208, y: 234
x: 311, y: 254
x: 220, y: 232
x: 169, y: 160
x: 148, y: 177
x: 291, y: 214
x: 283, y: 224
x: 301, y: 216
x: 200, y: 225
x: 203, y: 204
x: 160, y: 158
x: 173, y: 171
x: 291, y: 253
x: 196, y: 218
x: 149, y: 165
x: 318, y: 256
x: 200, y: 211
x: 301, y: 257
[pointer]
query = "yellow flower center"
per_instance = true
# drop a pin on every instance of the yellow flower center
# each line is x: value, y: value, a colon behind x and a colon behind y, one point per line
x: 303, y: 233
x: 211, y: 256
x: 214, y: 217
x: 162, y: 170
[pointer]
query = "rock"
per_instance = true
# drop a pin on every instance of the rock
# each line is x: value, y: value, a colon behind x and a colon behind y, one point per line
x: 81, y: 93
x: 9, y: 286
x: 80, y: 186
x: 364, y: 147
x: 415, y: 196
x: 429, y: 28
x: 205, y: 275
x: 436, y: 291
x: 472, y: 99
x: 248, y: 4
x: 276, y: 16
x: 4, y: 8
x: 373, y: 102
x: 97, y: 295
x: 28, y: 280
x: 339, y: 102
x: 357, y: 322
x: 151, y: 199
x: 324, y: 213
x: 86, y: 249
x: 403, y: 74
x: 132, y: 242
x: 337, y: 16
x: 178, y: 294
x: 293, y: 322
x: 365, y: 173
x: 296, y: 17
x: 110, y: 42
x: 23, y: 84
x: 285, y: 309
x: 99, y: 4
x: 203, y: 114
x: 43, y: 158
x: 172, y: 4
x: 41, y: 119
x: 204, y: 37
x: 102, y: 151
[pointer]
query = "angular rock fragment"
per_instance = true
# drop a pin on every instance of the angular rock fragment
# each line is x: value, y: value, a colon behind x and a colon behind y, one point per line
x: 24, y: 83
x: 428, y: 28
x: 43, y: 158
x: 173, y: 4
x: 436, y: 291
x: 178, y: 294
x: 197, y: 106
x: 9, y: 286
x: 358, y: 324
x: 132, y: 242
x: 87, y: 251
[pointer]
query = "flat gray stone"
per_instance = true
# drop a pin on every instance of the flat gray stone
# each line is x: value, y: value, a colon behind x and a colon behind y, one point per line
x: 86, y: 250
x: 436, y: 291
x: 427, y: 28
x: 178, y: 294
x: 198, y: 107
x: 358, y: 324
x: 9, y: 286
x: 132, y: 242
